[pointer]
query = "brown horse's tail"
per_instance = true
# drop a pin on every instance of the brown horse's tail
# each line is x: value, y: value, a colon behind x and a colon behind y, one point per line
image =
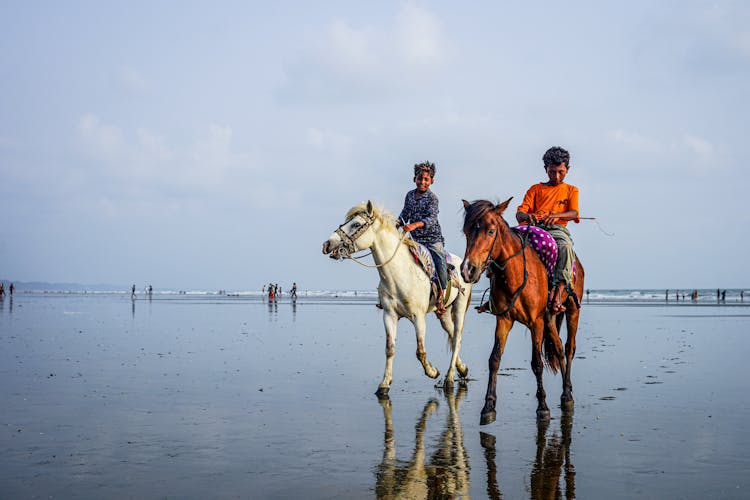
x: 548, y: 347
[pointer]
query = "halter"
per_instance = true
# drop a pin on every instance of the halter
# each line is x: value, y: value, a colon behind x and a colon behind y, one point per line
x: 347, y: 242
x: 501, y: 266
x: 347, y: 246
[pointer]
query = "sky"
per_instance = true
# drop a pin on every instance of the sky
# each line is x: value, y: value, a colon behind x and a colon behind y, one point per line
x: 216, y: 145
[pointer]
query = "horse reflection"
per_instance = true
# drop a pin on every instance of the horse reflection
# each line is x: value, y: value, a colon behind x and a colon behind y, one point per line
x: 552, y: 461
x: 551, y: 464
x: 442, y: 474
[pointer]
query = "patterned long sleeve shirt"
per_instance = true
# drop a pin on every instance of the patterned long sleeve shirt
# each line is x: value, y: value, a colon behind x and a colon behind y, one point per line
x: 423, y: 208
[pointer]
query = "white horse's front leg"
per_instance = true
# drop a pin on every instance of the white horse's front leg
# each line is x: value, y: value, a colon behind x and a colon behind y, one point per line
x: 390, y: 320
x: 420, y: 329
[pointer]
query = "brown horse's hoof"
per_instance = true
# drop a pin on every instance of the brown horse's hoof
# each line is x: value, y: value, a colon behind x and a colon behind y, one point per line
x: 566, y: 403
x: 382, y: 392
x: 488, y: 417
x: 542, y: 415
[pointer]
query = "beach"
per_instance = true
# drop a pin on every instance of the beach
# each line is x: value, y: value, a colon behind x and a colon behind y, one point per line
x: 207, y: 396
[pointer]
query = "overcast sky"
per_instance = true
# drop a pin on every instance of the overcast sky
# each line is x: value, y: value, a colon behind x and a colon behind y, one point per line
x: 216, y: 145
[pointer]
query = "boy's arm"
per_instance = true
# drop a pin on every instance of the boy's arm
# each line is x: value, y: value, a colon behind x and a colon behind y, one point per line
x: 525, y: 211
x: 430, y: 217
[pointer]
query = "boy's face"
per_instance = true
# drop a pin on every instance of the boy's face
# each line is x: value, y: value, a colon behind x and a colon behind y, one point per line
x: 423, y: 181
x: 557, y: 173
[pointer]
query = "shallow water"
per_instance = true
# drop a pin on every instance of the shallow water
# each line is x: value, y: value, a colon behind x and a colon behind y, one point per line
x: 201, y: 397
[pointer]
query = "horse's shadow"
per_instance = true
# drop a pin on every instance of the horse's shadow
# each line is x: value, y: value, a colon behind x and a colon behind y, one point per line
x: 551, y: 464
x: 442, y: 473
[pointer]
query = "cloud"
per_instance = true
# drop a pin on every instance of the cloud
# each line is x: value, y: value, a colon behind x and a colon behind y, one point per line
x: 132, y: 81
x: 349, y: 63
x: 419, y: 36
x: 145, y: 164
x: 98, y: 140
x: 671, y: 154
x: 329, y: 141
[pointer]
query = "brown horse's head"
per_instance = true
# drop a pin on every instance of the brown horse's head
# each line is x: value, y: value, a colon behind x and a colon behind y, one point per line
x: 483, y: 225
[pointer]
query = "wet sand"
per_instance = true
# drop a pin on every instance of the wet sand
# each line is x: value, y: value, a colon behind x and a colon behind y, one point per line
x: 233, y: 398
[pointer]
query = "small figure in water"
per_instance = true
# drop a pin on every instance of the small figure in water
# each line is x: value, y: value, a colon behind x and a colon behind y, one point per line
x: 132, y: 292
x: 293, y: 293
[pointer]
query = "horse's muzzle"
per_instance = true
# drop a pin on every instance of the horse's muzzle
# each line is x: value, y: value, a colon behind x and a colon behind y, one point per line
x: 470, y: 273
x: 335, y: 252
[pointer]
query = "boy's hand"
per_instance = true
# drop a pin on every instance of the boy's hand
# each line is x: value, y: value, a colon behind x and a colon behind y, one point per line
x: 550, y: 220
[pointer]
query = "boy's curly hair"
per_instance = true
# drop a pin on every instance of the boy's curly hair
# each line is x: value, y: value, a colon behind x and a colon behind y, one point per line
x: 424, y: 167
x: 555, y: 156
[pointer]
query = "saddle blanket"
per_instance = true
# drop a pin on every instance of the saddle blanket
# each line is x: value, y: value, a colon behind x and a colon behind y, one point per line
x: 545, y: 246
x: 423, y: 257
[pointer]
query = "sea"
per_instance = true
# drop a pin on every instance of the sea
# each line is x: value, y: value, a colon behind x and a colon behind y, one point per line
x: 223, y: 394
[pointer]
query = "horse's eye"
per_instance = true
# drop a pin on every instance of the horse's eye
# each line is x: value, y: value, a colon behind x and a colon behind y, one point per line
x: 355, y: 225
x: 491, y: 232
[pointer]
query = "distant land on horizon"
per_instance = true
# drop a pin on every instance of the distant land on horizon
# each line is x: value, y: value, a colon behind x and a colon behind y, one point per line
x: 28, y: 286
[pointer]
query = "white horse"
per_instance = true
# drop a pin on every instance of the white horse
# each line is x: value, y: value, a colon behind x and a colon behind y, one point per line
x: 404, y: 289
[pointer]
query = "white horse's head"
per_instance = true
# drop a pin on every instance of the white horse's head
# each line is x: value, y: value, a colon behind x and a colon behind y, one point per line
x: 356, y: 233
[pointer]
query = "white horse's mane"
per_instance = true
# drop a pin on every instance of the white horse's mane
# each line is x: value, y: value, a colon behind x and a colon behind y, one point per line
x: 386, y: 219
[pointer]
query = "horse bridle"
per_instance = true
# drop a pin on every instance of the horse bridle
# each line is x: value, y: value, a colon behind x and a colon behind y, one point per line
x: 501, y: 267
x: 347, y: 241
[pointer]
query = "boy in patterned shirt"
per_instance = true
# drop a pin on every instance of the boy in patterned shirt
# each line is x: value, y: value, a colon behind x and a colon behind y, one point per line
x: 551, y: 205
x: 420, y: 218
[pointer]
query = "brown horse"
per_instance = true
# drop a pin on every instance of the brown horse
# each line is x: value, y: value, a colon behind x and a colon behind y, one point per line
x: 519, y: 291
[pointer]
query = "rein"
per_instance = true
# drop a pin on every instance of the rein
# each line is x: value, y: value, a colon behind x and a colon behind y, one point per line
x: 501, y: 266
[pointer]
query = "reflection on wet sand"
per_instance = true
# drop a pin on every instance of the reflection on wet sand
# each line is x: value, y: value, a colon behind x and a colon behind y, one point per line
x: 446, y: 473
x: 551, y: 463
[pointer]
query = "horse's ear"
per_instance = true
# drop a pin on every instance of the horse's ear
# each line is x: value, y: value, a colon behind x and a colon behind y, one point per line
x: 369, y: 208
x: 466, y: 204
x: 501, y: 207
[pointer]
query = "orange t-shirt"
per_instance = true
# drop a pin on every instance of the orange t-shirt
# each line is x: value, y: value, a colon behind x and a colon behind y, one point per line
x: 541, y: 200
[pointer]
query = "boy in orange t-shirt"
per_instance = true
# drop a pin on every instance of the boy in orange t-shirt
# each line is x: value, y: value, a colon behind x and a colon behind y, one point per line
x: 551, y: 205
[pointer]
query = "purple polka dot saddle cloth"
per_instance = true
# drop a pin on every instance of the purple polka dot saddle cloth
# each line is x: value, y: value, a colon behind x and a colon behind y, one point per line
x: 545, y: 246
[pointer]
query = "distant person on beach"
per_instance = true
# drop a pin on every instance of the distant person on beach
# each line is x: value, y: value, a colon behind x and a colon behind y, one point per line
x: 694, y: 295
x: 12, y: 289
x: 723, y: 295
x: 419, y: 218
x: 132, y: 291
x: 742, y: 295
x: 551, y: 205
x: 293, y: 293
x: 718, y: 294
x: 666, y: 295
x: 2, y: 290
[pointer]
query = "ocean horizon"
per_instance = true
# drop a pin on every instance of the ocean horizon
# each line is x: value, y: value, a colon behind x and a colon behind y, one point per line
x: 592, y: 296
